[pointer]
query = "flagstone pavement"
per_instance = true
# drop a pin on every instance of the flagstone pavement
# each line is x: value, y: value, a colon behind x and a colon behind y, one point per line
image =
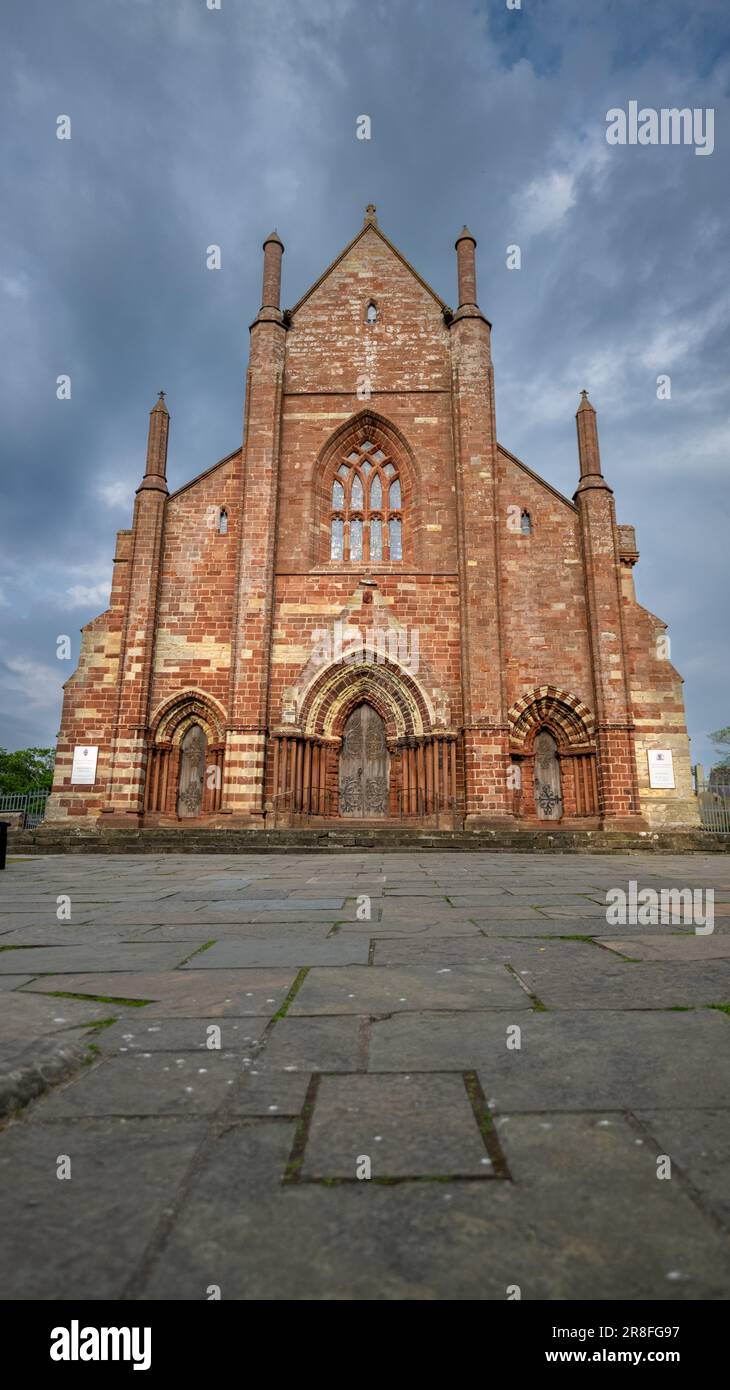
x: 367, y: 1075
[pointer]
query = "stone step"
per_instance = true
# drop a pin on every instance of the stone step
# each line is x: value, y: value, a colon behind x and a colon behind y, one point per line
x: 55, y: 840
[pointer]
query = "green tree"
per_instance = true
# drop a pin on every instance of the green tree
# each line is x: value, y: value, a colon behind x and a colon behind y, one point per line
x: 722, y: 736
x: 28, y: 769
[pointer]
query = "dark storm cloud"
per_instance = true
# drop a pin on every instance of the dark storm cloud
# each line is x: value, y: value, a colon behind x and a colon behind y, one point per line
x: 192, y: 127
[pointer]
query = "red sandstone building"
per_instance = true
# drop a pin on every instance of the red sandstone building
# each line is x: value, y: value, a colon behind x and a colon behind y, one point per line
x: 372, y: 611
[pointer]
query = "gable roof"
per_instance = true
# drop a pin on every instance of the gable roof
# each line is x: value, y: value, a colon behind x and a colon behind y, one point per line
x: 206, y: 471
x: 368, y: 226
x: 535, y: 476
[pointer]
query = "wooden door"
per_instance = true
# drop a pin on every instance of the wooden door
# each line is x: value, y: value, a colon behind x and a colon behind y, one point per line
x: 192, y: 773
x: 548, y: 792
x: 364, y: 765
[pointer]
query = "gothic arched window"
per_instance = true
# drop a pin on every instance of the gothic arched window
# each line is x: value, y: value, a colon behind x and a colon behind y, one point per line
x: 366, y: 522
x: 222, y: 522
x: 526, y: 524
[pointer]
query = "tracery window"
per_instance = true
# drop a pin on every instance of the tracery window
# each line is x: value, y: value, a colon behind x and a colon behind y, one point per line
x: 366, y: 522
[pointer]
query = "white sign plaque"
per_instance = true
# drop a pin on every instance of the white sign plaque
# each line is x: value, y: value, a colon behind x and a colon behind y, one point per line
x: 661, y: 768
x: 83, y: 772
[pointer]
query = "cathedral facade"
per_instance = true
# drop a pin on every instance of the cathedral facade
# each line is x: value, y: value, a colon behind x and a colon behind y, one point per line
x: 372, y: 612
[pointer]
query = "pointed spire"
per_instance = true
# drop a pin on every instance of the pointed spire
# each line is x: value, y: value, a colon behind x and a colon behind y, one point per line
x: 155, y: 476
x: 589, y: 454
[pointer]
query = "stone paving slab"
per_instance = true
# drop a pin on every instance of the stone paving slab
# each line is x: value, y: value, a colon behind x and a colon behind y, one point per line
x: 379, y: 990
x: 420, y: 950
x: 698, y: 1142
x: 268, y: 1092
x: 146, y: 1083
x: 148, y: 1031
x: 27, y: 1016
x: 83, y: 1237
x: 672, y: 948
x: 243, y: 931
x: 56, y: 960
x: 406, y: 1126
x: 569, y: 1061
x: 186, y: 994
x: 317, y: 1044
x: 293, y: 951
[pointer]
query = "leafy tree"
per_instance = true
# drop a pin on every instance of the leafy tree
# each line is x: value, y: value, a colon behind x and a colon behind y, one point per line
x: 28, y: 769
x: 722, y: 736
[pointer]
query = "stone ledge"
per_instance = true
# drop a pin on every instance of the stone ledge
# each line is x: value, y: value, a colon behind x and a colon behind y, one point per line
x: 52, y: 840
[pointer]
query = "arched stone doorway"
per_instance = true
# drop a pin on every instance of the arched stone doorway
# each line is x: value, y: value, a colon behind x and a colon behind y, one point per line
x: 553, y: 750
x: 367, y: 746
x: 185, y: 758
x: 191, y: 779
x: 364, y: 765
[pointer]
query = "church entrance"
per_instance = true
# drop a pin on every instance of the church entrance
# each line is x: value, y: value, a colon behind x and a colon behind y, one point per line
x: 548, y: 791
x: 192, y: 773
x: 364, y: 765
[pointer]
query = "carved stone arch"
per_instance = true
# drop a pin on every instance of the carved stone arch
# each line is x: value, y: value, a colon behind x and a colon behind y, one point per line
x: 571, y: 790
x: 399, y: 699
x: 367, y: 424
x: 548, y: 707
x: 175, y: 715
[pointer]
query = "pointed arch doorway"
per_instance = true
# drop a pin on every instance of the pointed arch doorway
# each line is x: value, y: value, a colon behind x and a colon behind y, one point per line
x: 364, y: 765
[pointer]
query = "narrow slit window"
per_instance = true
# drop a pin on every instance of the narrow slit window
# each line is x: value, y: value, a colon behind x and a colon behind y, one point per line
x: 396, y: 547
x: 525, y: 524
x: 371, y: 313
x: 222, y: 522
x: 376, y: 540
x: 336, y: 541
x: 356, y: 540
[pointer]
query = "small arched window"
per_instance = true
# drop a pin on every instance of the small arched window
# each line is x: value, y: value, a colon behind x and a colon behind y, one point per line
x: 371, y: 313
x: 525, y: 524
x: 366, y: 521
x: 222, y: 522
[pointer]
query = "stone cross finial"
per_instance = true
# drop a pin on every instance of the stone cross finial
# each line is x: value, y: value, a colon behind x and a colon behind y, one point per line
x: 370, y: 214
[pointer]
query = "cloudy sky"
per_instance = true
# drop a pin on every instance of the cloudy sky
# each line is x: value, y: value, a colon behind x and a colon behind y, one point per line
x: 192, y: 126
